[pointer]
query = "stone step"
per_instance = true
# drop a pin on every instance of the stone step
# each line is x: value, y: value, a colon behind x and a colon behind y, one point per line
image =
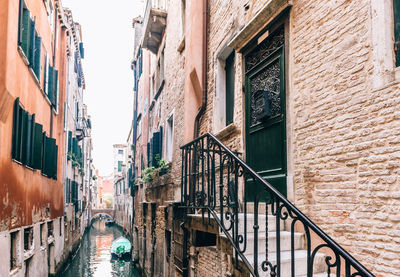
x: 285, y: 238
x: 286, y: 268
x: 325, y: 274
x: 261, y: 222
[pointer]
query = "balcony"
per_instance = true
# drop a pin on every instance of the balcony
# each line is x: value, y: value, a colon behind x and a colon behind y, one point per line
x: 83, y: 127
x: 155, y: 20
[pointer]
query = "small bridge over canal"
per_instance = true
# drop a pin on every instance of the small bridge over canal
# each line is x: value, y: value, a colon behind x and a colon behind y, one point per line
x: 96, y: 213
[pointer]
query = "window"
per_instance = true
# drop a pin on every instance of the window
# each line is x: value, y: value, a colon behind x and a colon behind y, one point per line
x: 169, y: 136
x: 230, y: 88
x: 28, y: 39
x: 396, y: 12
x: 154, y: 148
x: 27, y: 139
x: 225, y: 89
x: 42, y: 234
x: 120, y: 152
x: 61, y: 226
x: 50, y: 11
x: 140, y: 62
x: 139, y: 128
x: 14, y: 246
x: 50, y: 229
x: 119, y: 166
x: 160, y: 71
x: 28, y: 238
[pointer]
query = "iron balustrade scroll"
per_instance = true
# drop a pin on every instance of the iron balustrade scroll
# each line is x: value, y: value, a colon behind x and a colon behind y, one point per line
x: 212, y: 176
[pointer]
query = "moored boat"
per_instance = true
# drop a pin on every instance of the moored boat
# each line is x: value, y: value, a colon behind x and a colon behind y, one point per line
x: 121, y: 248
x: 109, y: 221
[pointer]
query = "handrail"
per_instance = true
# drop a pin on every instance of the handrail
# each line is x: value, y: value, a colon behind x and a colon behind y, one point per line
x: 200, y: 191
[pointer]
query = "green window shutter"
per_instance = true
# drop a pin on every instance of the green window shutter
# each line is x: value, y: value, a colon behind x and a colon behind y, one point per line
x: 396, y: 10
x: 45, y: 155
x: 26, y: 31
x: 29, y: 130
x: 55, y: 88
x: 55, y: 161
x: 38, y: 53
x: 161, y: 141
x: 69, y: 142
x: 46, y: 74
x: 24, y: 137
x: 20, y: 20
x: 155, y: 148
x: 50, y: 83
x: 32, y: 44
x: 119, y: 166
x: 230, y: 87
x: 16, y: 130
x: 37, y: 146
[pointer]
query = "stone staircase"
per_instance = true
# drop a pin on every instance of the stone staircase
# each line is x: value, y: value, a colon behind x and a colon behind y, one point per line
x: 319, y: 268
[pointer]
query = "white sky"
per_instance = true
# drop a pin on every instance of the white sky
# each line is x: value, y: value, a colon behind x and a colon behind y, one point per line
x: 107, y: 35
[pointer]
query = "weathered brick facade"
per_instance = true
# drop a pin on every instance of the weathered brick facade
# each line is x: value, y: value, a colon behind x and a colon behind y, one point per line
x: 342, y: 124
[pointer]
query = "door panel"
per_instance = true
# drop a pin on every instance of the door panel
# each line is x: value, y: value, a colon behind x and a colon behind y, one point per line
x: 266, y: 122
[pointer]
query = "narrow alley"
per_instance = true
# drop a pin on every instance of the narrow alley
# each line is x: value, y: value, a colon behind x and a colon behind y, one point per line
x: 197, y: 138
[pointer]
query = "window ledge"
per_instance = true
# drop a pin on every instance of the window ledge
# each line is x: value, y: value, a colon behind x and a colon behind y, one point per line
x: 181, y: 45
x: 226, y: 131
x: 14, y: 271
x: 28, y: 253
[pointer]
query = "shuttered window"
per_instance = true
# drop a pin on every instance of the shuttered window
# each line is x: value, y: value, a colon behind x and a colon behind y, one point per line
x: 37, y: 56
x: 30, y: 146
x: 50, y: 155
x: 26, y: 31
x: 28, y: 39
x: 119, y: 166
x: 69, y: 142
x: 396, y: 12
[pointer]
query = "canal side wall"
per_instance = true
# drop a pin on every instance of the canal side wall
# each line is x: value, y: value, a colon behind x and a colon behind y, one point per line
x: 35, y: 261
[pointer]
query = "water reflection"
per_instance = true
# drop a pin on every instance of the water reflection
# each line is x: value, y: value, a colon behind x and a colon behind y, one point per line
x: 93, y: 259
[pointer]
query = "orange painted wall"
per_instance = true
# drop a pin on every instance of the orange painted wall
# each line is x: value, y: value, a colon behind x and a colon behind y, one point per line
x: 26, y: 196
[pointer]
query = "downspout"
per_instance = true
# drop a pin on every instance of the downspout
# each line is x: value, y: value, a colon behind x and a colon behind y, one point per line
x: 204, y: 68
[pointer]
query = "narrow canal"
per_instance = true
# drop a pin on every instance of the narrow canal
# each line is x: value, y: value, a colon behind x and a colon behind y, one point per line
x: 94, y: 257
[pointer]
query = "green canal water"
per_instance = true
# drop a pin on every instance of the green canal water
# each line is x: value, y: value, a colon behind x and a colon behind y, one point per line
x: 93, y: 259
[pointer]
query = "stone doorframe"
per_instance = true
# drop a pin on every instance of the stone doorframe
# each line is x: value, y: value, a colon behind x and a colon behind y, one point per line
x: 271, y: 16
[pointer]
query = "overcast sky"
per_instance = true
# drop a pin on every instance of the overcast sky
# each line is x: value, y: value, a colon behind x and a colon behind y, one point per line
x: 108, y: 40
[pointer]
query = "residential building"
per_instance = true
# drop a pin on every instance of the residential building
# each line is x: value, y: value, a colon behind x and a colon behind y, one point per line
x: 78, y: 145
x: 33, y: 55
x: 285, y: 115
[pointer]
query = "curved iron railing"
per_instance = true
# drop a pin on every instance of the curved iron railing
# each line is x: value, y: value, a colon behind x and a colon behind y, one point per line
x: 211, y: 178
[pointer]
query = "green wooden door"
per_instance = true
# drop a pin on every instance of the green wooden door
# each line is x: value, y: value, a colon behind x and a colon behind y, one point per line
x: 265, y: 115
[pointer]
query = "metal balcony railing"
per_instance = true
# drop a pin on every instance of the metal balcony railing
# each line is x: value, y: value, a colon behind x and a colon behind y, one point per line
x: 211, y: 178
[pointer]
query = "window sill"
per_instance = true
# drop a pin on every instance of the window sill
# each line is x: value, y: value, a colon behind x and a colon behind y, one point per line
x: 181, y: 45
x: 28, y: 253
x: 225, y: 132
x: 14, y: 271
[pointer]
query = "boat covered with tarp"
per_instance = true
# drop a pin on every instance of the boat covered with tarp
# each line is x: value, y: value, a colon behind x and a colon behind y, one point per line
x: 121, y: 248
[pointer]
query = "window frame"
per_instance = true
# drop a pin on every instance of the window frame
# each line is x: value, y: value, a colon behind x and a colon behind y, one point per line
x: 169, y: 137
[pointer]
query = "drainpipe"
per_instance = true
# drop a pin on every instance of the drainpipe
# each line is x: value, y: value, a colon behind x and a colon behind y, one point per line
x: 204, y: 67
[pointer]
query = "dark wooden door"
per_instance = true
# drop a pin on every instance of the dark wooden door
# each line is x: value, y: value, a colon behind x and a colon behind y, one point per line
x: 265, y: 115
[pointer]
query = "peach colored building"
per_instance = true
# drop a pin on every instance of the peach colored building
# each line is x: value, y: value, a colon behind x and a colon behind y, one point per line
x: 33, y: 65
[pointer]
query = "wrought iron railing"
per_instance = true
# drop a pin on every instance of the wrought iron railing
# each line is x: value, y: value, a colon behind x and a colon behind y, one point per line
x: 214, y: 177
